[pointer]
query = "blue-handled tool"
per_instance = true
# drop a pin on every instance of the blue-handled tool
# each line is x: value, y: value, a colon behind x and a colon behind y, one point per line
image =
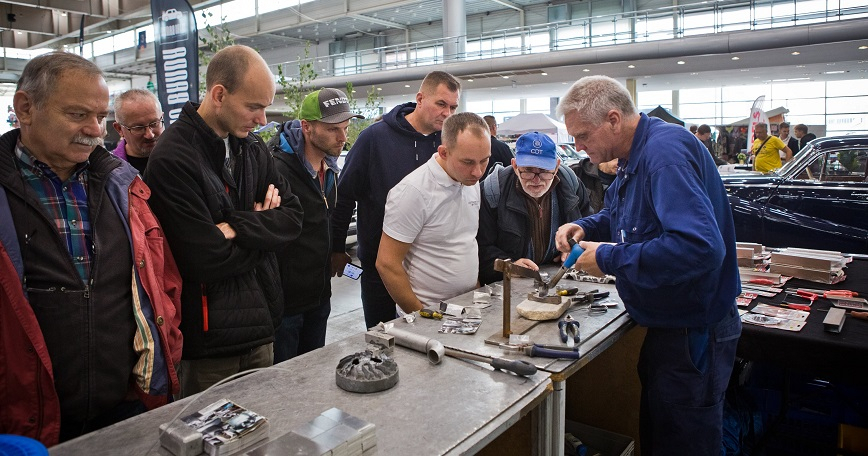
x: 542, y: 351
x: 575, y: 253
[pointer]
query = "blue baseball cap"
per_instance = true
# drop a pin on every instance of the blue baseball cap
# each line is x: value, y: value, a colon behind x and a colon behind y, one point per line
x: 535, y: 150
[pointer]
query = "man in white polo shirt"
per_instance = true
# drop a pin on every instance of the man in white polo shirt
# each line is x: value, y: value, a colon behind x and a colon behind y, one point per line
x: 428, y: 248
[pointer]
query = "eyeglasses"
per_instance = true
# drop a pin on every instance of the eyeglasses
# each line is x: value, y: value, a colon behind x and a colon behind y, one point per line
x: 139, y: 130
x: 543, y: 175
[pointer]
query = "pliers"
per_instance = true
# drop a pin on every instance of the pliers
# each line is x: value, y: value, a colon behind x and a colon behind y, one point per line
x: 569, y: 329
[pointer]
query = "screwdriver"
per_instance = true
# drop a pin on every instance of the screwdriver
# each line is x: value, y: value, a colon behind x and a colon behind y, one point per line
x: 516, y: 366
x: 430, y: 313
x: 568, y: 291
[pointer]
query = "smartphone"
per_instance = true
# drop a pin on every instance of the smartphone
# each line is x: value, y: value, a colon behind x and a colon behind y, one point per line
x: 352, y: 271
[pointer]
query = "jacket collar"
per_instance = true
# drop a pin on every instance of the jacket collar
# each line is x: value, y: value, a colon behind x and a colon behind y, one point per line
x: 101, y: 161
x: 214, y: 148
x: 640, y: 136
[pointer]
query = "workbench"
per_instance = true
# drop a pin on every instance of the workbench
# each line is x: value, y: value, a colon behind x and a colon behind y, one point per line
x: 812, y: 349
x: 598, y: 332
x: 416, y: 416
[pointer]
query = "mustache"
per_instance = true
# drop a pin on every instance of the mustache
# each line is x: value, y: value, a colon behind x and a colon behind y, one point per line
x: 92, y: 141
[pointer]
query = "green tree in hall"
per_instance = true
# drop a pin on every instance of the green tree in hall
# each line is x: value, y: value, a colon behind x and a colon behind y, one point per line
x: 371, y: 110
x: 214, y: 39
x: 295, y: 89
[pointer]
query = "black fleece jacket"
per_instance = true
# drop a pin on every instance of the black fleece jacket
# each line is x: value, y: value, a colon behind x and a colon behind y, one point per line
x: 231, y: 298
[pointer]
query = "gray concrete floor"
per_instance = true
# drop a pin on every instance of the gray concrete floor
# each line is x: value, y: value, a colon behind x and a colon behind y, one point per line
x: 347, y: 318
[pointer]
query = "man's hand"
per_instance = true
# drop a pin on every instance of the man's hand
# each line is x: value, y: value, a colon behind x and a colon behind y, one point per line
x: 527, y: 263
x: 272, y: 200
x: 339, y: 262
x: 588, y: 261
x: 565, y: 232
x: 228, y: 231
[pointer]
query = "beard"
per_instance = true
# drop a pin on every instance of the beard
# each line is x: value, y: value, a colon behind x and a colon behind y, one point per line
x: 333, y: 151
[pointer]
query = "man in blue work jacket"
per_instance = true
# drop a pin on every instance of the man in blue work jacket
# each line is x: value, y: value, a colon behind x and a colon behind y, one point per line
x: 666, y: 234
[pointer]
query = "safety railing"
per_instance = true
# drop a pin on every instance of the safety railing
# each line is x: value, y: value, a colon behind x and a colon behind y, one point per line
x: 663, y: 23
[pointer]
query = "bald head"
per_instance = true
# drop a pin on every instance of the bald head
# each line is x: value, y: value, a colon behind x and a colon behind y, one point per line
x: 239, y: 88
x: 231, y: 64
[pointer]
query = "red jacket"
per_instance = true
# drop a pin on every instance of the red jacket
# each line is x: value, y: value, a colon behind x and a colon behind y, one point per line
x: 30, y: 405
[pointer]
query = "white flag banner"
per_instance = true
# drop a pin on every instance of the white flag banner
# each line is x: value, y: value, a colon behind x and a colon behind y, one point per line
x: 757, y: 115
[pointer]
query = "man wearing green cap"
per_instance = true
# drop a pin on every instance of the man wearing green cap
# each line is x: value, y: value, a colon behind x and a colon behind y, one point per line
x: 305, y: 154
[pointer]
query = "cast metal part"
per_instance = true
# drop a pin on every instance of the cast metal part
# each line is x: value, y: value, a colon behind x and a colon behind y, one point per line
x: 365, y: 373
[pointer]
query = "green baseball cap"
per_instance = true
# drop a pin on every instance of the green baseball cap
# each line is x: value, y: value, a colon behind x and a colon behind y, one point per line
x: 328, y: 106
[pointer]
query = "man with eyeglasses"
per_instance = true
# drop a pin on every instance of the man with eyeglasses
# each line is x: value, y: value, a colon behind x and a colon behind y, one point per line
x: 139, y: 122
x: 523, y: 206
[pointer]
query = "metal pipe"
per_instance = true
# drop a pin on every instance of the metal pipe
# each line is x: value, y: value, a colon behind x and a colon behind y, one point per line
x: 431, y: 347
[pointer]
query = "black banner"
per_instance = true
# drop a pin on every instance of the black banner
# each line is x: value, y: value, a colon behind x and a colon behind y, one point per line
x: 176, y: 47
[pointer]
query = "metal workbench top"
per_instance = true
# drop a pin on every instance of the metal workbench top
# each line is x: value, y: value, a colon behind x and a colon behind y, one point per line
x: 450, y: 408
x: 598, y: 331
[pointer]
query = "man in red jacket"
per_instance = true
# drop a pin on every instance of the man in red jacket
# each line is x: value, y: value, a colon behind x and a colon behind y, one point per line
x: 89, y: 293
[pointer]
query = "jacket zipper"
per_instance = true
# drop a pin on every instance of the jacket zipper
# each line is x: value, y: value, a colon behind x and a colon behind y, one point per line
x: 328, y: 224
x: 87, y: 291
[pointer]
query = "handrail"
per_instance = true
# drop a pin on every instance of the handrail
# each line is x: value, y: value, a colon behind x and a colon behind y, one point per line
x: 619, y: 28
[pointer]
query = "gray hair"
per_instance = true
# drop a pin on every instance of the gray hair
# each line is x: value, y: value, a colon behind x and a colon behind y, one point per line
x: 40, y: 75
x: 457, y: 123
x: 761, y: 125
x: 130, y: 95
x: 594, y: 96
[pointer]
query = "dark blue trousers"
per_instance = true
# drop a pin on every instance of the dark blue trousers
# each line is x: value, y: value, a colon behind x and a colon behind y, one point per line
x: 376, y: 301
x: 684, y: 374
x: 301, y: 333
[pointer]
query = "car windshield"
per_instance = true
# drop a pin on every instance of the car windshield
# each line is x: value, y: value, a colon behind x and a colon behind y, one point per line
x: 793, y: 165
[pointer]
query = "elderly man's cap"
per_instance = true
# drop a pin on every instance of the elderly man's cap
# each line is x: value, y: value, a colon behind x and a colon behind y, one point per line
x: 536, y: 150
x: 327, y: 105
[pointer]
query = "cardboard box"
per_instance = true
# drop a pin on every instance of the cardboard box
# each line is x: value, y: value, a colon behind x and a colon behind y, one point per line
x: 757, y: 248
x: 807, y: 260
x: 813, y: 275
x: 601, y: 441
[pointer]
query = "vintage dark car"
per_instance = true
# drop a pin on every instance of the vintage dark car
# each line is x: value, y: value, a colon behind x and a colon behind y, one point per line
x: 819, y: 200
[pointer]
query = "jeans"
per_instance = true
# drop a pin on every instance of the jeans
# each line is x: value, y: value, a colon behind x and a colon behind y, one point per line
x: 684, y: 374
x: 301, y: 333
x: 197, y: 375
x: 376, y: 301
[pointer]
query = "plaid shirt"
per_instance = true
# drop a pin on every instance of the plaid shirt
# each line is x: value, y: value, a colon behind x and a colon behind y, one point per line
x: 65, y: 203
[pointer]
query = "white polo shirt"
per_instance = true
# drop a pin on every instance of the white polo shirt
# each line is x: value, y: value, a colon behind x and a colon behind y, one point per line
x: 439, y: 217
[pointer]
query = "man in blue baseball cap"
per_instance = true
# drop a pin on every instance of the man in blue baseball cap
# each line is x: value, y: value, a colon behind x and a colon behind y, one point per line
x: 523, y: 206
